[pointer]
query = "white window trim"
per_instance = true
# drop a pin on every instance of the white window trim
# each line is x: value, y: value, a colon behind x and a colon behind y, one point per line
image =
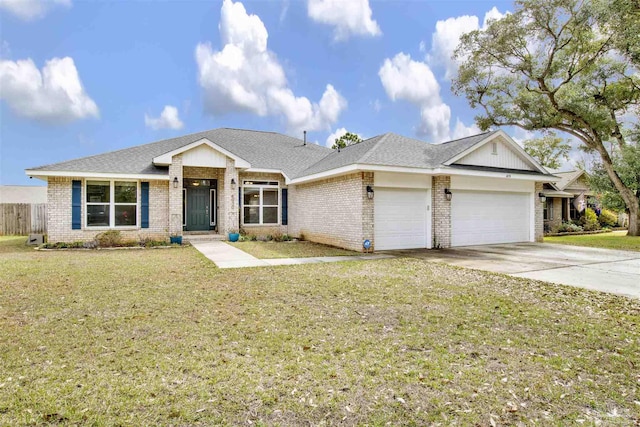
x: 112, y: 206
x: 261, y: 205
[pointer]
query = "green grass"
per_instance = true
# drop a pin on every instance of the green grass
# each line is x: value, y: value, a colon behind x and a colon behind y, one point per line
x: 295, y: 249
x: 10, y: 244
x: 614, y: 240
x: 163, y: 337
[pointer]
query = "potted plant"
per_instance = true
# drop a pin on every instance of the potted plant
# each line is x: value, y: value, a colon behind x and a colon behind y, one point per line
x: 175, y: 239
x: 234, y: 235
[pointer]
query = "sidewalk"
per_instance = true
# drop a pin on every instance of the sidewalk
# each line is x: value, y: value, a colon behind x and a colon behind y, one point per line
x: 227, y: 256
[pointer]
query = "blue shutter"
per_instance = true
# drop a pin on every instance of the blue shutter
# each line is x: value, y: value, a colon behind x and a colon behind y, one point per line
x: 76, y: 205
x: 285, y: 207
x: 144, y: 204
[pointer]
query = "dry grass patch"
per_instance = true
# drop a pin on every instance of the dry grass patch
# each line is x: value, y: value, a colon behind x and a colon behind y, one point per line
x: 293, y: 249
x: 165, y: 338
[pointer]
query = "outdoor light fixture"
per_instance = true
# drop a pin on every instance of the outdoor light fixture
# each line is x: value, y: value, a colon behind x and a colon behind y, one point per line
x: 233, y: 181
x: 447, y: 194
x: 175, y: 182
x: 543, y: 198
x: 369, y: 192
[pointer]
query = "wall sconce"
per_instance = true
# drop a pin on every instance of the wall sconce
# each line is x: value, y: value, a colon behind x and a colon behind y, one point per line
x: 233, y: 181
x: 369, y: 192
x: 175, y: 182
x: 543, y: 198
x: 447, y: 194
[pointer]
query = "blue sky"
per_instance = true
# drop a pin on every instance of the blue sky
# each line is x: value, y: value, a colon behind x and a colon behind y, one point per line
x: 79, y: 78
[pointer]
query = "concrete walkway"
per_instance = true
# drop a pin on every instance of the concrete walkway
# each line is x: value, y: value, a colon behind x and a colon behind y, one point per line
x: 227, y: 256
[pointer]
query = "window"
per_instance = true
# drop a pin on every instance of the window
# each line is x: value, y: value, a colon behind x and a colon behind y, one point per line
x: 494, y: 148
x: 112, y: 203
x: 548, y: 209
x: 260, y: 202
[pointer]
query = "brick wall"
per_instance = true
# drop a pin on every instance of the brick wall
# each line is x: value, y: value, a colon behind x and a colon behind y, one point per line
x: 175, y: 195
x: 538, y: 208
x: 332, y: 211
x: 229, y: 219
x: 441, y: 211
x: 59, y: 213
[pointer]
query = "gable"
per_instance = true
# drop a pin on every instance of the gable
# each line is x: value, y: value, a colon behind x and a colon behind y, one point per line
x: 496, y: 153
x: 579, y: 184
x: 204, y: 156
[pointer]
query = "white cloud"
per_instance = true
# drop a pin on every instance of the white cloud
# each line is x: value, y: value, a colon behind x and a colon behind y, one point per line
x: 447, y: 37
x: 168, y: 119
x: 348, y: 18
x: 55, y: 95
x: 461, y: 130
x: 247, y: 77
x: 30, y: 10
x: 331, y: 139
x: 376, y: 105
x: 413, y: 81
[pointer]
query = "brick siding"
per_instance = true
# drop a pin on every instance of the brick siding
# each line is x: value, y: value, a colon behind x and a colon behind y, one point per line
x: 333, y: 211
x: 538, y: 214
x: 441, y: 211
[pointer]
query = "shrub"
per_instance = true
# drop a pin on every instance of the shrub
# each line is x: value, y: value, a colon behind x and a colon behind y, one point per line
x: 109, y: 239
x: 608, y: 218
x: 568, y: 227
x: 590, y: 220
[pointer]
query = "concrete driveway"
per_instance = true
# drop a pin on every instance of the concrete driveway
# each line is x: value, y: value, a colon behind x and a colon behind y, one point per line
x: 603, y: 270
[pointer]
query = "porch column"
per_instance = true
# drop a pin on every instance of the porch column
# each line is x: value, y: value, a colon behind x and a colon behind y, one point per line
x: 175, y: 196
x: 538, y: 212
x: 230, y: 206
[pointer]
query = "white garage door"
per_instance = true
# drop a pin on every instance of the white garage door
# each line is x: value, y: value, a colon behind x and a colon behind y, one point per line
x: 483, y: 218
x: 401, y: 218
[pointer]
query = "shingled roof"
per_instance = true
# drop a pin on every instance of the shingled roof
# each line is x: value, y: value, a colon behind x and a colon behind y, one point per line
x: 263, y: 150
x: 270, y: 150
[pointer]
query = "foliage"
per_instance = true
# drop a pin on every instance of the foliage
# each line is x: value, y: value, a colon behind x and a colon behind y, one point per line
x: 607, y: 218
x: 548, y: 150
x: 627, y: 164
x: 109, y: 239
x: 549, y: 66
x: 346, y: 140
x: 590, y: 220
x: 568, y: 227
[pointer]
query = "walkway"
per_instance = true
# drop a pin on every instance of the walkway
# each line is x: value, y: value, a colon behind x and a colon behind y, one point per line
x: 227, y: 256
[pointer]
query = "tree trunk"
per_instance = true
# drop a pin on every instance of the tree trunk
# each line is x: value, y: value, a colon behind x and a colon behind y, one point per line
x: 626, y: 193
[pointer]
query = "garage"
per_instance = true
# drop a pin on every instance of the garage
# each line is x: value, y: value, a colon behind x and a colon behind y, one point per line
x: 482, y: 217
x: 402, y: 218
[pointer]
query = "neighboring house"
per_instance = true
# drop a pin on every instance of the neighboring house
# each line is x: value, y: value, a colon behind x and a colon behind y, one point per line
x: 566, y: 198
x: 395, y: 191
x: 23, y: 194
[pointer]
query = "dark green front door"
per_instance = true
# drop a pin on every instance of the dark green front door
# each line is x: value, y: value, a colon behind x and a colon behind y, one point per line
x: 197, y: 209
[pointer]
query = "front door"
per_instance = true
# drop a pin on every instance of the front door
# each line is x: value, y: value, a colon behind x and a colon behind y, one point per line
x: 197, y: 209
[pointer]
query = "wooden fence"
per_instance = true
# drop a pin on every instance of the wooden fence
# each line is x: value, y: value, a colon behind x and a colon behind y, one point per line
x: 23, y: 218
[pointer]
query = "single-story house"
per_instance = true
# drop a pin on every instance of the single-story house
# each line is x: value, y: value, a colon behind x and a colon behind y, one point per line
x: 394, y: 191
x: 566, y: 198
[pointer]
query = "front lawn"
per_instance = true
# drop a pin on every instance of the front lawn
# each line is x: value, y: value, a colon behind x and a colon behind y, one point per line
x: 614, y: 240
x: 294, y: 249
x: 152, y: 337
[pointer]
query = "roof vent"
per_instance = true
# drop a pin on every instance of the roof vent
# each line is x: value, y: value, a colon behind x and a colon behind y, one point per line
x: 305, y: 137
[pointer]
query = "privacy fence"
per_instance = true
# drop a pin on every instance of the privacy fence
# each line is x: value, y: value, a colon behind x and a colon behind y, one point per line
x: 23, y: 218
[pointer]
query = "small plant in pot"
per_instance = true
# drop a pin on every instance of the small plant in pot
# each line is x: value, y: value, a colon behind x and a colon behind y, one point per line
x: 234, y: 235
x: 175, y: 239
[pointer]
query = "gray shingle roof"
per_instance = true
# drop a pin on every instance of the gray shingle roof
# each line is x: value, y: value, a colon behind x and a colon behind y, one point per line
x: 391, y: 149
x: 270, y: 150
x: 264, y: 150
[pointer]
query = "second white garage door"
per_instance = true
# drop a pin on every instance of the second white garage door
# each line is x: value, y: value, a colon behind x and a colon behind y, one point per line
x: 401, y: 218
x: 483, y: 218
